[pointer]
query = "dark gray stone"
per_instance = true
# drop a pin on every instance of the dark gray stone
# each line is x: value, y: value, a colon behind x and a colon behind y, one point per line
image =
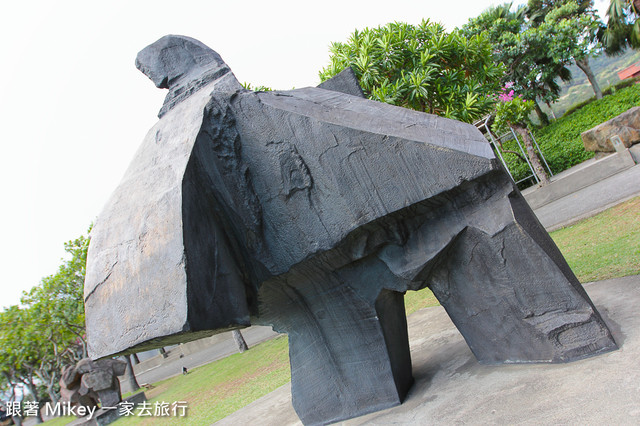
x: 345, y: 82
x: 183, y: 65
x: 105, y: 416
x: 314, y: 211
x: 89, y: 382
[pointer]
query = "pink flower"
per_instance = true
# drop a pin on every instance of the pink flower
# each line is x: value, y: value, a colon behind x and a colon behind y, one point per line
x: 506, y: 97
x: 508, y: 85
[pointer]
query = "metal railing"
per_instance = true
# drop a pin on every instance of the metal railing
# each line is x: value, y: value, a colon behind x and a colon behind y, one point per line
x: 497, y: 141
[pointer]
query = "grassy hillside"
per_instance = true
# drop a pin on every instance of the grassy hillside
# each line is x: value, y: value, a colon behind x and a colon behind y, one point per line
x: 579, y: 90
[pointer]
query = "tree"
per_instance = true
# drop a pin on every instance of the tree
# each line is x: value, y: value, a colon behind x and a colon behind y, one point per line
x: 59, y: 299
x: 623, y: 26
x: 513, y: 112
x: 20, y: 350
x: 571, y: 29
x: 537, y: 10
x: 524, y: 51
x: 8, y: 387
x: 38, y: 339
x: 421, y: 67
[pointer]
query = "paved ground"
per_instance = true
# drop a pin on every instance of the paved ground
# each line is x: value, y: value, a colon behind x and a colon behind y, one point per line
x: 453, y: 388
x: 591, y: 200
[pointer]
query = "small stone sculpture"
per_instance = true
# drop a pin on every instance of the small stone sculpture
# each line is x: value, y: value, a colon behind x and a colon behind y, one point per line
x: 313, y: 211
x: 91, y: 382
x: 626, y: 126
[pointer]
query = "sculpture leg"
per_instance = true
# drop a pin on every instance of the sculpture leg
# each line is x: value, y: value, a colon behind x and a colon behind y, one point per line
x: 341, y: 364
x: 513, y: 301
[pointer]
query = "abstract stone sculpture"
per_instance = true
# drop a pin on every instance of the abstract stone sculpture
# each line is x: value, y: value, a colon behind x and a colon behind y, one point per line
x: 89, y: 382
x: 314, y: 211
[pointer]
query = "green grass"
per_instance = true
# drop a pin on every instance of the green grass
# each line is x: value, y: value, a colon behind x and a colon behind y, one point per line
x: 128, y: 394
x: 220, y: 388
x: 416, y: 300
x: 604, y: 246
x: 60, y: 421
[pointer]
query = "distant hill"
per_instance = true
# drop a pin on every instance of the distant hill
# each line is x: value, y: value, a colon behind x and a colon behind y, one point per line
x: 578, y: 89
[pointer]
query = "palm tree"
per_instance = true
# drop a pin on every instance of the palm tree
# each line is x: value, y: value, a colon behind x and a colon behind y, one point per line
x: 623, y: 26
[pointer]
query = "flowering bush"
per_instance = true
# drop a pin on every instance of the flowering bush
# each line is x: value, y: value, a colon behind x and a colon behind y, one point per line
x: 506, y: 97
x: 511, y: 110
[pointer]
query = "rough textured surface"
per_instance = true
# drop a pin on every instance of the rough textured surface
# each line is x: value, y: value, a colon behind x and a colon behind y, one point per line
x: 452, y: 388
x: 625, y: 125
x: 345, y: 82
x: 106, y: 416
x: 313, y: 211
x: 89, y: 382
x: 183, y: 65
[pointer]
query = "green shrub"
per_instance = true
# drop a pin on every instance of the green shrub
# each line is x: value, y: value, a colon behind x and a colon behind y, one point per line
x: 608, y: 91
x: 560, y: 141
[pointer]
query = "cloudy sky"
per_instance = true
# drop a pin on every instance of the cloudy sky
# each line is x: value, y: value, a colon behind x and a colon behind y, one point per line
x: 74, y: 108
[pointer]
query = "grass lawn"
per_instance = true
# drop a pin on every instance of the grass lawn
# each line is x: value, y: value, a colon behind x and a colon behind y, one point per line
x: 604, y: 246
x: 60, y: 421
x: 601, y: 247
x: 216, y: 390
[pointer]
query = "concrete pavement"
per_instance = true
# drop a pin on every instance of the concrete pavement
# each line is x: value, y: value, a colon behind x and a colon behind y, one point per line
x: 453, y: 388
x: 591, y: 200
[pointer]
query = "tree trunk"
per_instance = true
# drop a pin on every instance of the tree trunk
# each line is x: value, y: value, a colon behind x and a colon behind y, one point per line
x: 52, y: 394
x: 130, y: 375
x: 523, y: 132
x: 544, y: 120
x: 163, y: 352
x: 85, y: 352
x: 583, y: 64
x: 135, y: 359
x: 17, y: 420
x: 50, y: 381
x: 553, y: 114
x: 237, y: 336
x: 33, y: 389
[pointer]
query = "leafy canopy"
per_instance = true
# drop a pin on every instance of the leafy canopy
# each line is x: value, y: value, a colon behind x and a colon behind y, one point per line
x: 511, y: 113
x: 523, y: 49
x: 421, y: 67
x: 47, y: 332
x: 570, y: 28
x: 623, y: 26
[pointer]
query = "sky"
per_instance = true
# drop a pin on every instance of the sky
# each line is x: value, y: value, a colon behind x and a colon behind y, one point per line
x: 74, y: 109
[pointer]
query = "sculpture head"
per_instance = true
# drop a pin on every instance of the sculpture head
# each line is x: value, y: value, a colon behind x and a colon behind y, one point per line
x: 175, y: 60
x: 183, y: 65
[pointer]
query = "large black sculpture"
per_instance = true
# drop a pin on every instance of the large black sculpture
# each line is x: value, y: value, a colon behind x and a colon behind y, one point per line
x: 314, y: 211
